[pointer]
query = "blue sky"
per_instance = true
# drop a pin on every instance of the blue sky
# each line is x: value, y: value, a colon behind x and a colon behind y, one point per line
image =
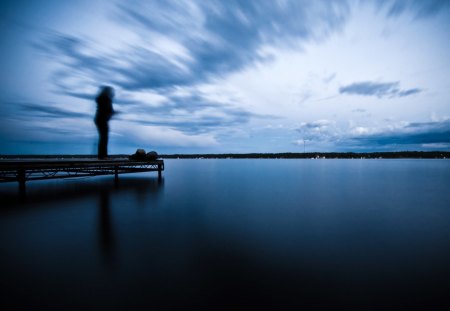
x: 226, y: 76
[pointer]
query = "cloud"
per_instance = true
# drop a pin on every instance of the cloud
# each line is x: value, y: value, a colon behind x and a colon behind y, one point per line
x: 49, y: 111
x: 320, y: 130
x: 186, y: 43
x: 184, y: 117
x: 370, y: 88
x: 418, y: 133
x: 148, y: 135
x: 39, y: 123
x: 408, y: 92
x: 359, y: 110
x: 412, y: 136
x: 189, y: 113
x: 419, y: 8
x: 223, y: 37
x: 330, y: 78
x: 180, y: 46
x: 378, y: 89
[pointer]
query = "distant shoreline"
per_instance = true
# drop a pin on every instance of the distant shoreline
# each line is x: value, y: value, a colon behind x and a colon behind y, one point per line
x: 318, y: 155
x: 284, y: 155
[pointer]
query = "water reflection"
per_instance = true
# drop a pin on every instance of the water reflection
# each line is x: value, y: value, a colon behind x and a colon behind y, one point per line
x: 43, y: 193
x: 106, y: 232
x: 147, y: 193
x: 79, y: 196
x: 228, y: 234
x: 70, y: 233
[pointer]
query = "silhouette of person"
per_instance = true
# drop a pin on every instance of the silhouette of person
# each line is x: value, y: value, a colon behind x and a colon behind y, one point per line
x: 103, y: 115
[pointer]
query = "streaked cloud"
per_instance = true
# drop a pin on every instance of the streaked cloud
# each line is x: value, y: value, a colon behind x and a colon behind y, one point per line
x: 378, y: 89
x: 192, y: 113
x: 359, y: 110
x: 186, y: 43
x: 403, y: 93
x: 320, y: 130
x: 420, y: 9
x: 179, y: 45
x: 149, y: 136
x: 49, y: 111
x: 417, y: 133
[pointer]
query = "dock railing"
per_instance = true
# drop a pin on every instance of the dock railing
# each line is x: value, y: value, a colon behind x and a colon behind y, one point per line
x: 28, y: 170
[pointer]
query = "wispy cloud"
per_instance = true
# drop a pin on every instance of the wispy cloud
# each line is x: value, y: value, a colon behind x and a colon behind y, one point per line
x: 211, y: 41
x: 191, y: 114
x: 378, y: 89
x: 420, y: 9
x: 184, y: 43
x: 418, y: 133
x: 403, y: 93
x: 49, y: 111
x: 180, y: 45
x: 415, y: 135
x: 147, y: 135
x: 359, y: 110
x: 320, y: 130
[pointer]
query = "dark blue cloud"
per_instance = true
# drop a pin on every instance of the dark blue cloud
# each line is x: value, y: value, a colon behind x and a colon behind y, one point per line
x: 420, y: 8
x: 49, y: 111
x: 219, y: 37
x: 200, y: 115
x: 32, y: 124
x: 216, y: 38
x: 378, y: 89
x: 320, y: 130
x: 229, y: 34
x: 370, y: 88
x: 70, y: 52
x: 412, y: 134
x: 409, y: 92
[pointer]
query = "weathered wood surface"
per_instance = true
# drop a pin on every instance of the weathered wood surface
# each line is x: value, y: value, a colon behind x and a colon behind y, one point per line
x: 38, y: 169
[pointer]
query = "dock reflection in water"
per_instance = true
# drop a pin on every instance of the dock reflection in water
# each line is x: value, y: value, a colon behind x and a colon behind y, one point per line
x: 144, y: 190
x: 106, y: 231
x: 234, y: 234
x: 65, y: 239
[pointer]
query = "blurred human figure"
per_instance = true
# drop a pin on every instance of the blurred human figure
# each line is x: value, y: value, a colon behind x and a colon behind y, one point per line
x: 103, y: 115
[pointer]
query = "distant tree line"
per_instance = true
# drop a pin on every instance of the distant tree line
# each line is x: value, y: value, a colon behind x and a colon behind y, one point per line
x: 310, y: 155
x: 284, y: 155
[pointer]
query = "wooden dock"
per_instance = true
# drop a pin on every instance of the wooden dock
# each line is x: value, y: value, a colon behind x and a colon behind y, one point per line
x: 40, y: 169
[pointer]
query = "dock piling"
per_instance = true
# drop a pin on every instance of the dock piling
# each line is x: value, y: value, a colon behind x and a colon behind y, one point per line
x: 22, y: 171
x: 21, y: 179
x: 116, y: 175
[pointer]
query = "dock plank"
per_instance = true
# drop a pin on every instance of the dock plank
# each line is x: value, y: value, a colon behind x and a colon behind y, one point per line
x: 22, y: 170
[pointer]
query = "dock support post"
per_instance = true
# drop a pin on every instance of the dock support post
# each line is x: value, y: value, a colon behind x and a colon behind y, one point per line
x: 21, y: 179
x: 159, y: 171
x: 116, y: 176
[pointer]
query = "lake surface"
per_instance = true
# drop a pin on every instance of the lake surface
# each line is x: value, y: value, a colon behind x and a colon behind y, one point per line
x: 232, y: 234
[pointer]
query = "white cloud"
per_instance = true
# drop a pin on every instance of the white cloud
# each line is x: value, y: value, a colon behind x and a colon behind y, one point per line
x: 145, y: 97
x: 437, y: 146
x: 359, y: 130
x: 162, y: 136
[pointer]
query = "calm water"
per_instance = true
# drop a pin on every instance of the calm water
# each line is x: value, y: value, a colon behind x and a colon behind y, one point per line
x: 225, y: 233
